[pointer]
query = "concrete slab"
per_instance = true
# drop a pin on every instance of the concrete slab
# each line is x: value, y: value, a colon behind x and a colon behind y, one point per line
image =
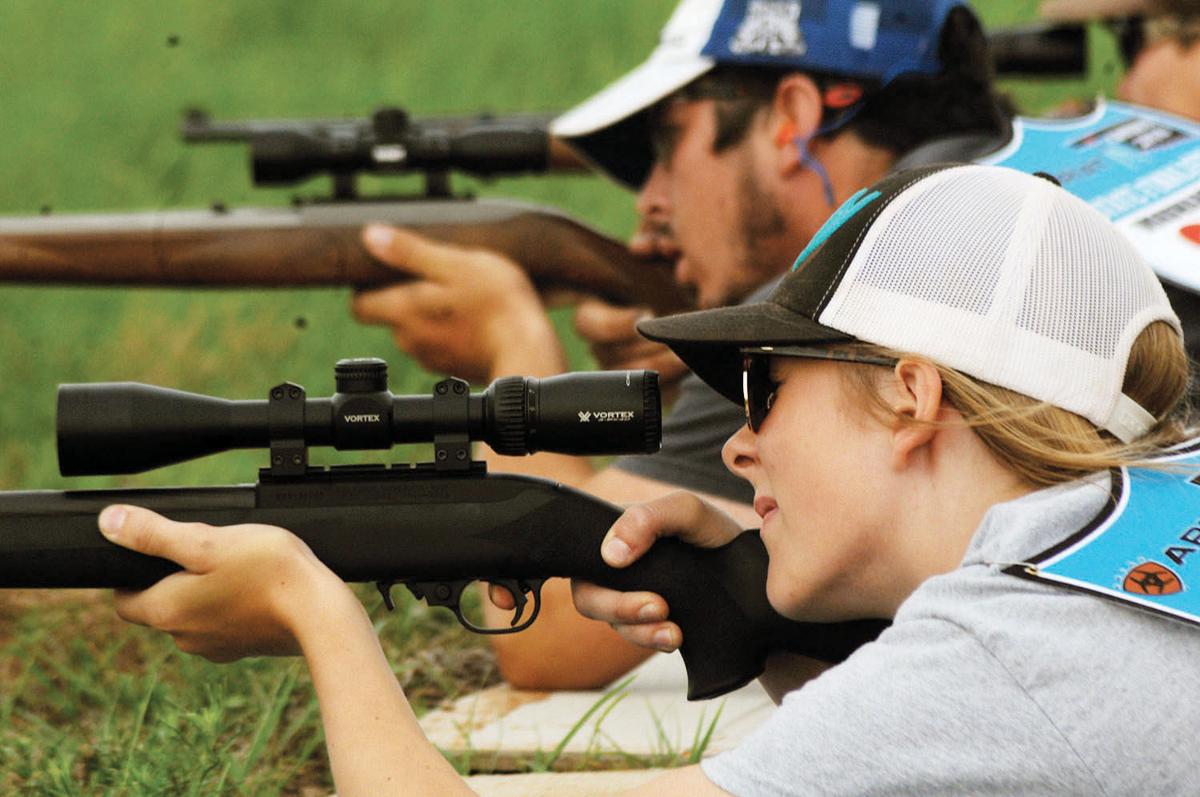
x: 644, y: 722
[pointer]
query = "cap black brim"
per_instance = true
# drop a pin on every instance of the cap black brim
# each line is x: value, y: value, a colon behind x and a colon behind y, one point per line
x: 710, y: 341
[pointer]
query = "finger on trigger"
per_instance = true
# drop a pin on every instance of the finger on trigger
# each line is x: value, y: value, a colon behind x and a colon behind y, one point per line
x: 501, y: 597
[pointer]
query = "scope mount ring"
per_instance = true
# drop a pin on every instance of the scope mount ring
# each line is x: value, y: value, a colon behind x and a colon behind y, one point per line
x: 285, y: 413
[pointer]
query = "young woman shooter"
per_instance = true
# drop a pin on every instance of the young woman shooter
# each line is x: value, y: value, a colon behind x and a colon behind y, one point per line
x: 942, y: 400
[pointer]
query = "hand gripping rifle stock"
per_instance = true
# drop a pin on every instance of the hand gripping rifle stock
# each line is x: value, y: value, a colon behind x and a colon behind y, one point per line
x: 434, y: 527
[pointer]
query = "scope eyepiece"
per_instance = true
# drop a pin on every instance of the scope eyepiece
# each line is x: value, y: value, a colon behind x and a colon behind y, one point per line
x: 601, y: 412
x: 126, y: 427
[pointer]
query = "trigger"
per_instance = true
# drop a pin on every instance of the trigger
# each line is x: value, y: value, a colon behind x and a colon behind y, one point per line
x: 517, y: 589
x: 385, y: 589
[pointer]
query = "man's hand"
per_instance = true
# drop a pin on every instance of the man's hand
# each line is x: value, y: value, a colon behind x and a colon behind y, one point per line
x: 611, y: 331
x: 641, y: 617
x: 654, y: 238
x: 245, y: 590
x: 468, y: 312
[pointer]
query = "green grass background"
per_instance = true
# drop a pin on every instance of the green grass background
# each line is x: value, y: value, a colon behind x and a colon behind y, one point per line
x: 91, y: 94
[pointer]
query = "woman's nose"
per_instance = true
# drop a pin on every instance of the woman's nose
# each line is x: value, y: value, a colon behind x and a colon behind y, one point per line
x: 740, y: 452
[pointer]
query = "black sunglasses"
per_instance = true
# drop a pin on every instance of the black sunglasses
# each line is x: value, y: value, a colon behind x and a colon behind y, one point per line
x: 1130, y: 33
x: 759, y: 389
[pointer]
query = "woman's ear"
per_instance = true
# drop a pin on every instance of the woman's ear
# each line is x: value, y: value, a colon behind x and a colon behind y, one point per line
x: 795, y: 115
x: 916, y: 398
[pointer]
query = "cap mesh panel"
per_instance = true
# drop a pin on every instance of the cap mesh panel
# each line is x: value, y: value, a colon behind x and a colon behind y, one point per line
x: 1074, y: 270
x: 1007, y: 278
x: 947, y: 263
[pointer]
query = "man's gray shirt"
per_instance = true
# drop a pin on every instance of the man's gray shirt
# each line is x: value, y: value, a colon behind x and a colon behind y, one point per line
x: 989, y: 684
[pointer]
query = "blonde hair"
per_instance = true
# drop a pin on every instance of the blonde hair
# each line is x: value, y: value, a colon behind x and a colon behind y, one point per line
x: 1045, y: 445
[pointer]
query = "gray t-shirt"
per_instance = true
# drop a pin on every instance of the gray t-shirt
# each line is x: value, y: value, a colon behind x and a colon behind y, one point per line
x: 991, y: 684
x: 693, y: 433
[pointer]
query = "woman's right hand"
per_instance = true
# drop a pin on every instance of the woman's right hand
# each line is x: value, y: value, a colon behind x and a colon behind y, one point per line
x: 642, y: 617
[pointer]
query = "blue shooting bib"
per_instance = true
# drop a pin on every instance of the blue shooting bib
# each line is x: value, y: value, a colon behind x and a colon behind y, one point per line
x: 1144, y: 549
x: 1137, y: 166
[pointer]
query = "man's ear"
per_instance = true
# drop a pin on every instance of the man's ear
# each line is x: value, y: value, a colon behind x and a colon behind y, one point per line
x: 795, y: 114
x: 916, y: 397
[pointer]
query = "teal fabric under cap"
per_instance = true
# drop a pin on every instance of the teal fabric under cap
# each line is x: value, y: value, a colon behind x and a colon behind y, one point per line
x: 842, y: 215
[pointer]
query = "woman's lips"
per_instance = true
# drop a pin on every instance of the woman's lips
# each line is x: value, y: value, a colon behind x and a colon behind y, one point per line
x: 764, y: 505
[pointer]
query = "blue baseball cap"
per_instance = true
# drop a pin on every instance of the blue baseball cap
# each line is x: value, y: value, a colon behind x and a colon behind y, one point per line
x: 876, y: 40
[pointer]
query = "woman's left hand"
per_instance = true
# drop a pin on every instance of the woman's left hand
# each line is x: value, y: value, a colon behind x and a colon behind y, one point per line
x: 245, y: 590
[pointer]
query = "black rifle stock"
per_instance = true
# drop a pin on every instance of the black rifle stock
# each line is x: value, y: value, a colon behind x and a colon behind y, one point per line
x: 316, y: 241
x: 437, y: 535
x: 435, y: 527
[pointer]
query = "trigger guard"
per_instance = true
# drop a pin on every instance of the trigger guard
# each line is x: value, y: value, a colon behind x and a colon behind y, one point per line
x: 518, y: 588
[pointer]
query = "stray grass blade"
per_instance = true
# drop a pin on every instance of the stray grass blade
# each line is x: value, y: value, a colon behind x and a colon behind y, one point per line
x: 701, y: 743
x: 281, y: 694
x: 152, y: 678
x: 611, y: 695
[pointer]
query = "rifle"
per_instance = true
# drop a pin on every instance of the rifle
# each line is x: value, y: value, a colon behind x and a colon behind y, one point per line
x: 315, y: 241
x: 511, y: 530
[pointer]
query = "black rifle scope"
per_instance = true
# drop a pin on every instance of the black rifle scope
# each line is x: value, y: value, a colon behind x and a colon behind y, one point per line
x: 392, y: 143
x: 126, y: 427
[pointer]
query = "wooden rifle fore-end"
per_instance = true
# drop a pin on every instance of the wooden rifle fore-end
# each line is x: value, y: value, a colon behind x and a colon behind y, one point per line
x: 319, y: 245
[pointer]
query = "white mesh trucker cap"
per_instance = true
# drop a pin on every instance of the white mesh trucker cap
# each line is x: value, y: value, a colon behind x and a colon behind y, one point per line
x: 998, y: 274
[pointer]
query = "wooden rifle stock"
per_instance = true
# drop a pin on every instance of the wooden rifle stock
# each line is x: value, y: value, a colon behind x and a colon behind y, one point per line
x: 319, y: 244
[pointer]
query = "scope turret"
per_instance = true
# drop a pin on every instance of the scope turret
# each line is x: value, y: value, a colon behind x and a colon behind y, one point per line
x: 126, y: 427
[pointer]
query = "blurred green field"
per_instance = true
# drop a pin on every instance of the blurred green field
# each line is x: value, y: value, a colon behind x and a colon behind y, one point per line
x: 91, y: 95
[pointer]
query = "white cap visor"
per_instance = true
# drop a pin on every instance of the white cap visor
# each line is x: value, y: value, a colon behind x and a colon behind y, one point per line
x: 676, y: 62
x: 636, y: 91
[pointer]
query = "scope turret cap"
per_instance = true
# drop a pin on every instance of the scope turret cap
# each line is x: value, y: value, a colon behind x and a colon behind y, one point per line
x: 1001, y: 275
x: 877, y: 40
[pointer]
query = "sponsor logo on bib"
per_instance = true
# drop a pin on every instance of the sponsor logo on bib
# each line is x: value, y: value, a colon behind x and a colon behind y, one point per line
x: 1151, y: 578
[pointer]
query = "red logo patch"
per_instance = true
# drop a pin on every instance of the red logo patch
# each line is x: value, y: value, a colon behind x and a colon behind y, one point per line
x: 1192, y: 233
x: 1151, y: 578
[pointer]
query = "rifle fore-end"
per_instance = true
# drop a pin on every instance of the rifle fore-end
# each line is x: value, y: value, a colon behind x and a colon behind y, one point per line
x: 319, y: 245
x: 469, y: 527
